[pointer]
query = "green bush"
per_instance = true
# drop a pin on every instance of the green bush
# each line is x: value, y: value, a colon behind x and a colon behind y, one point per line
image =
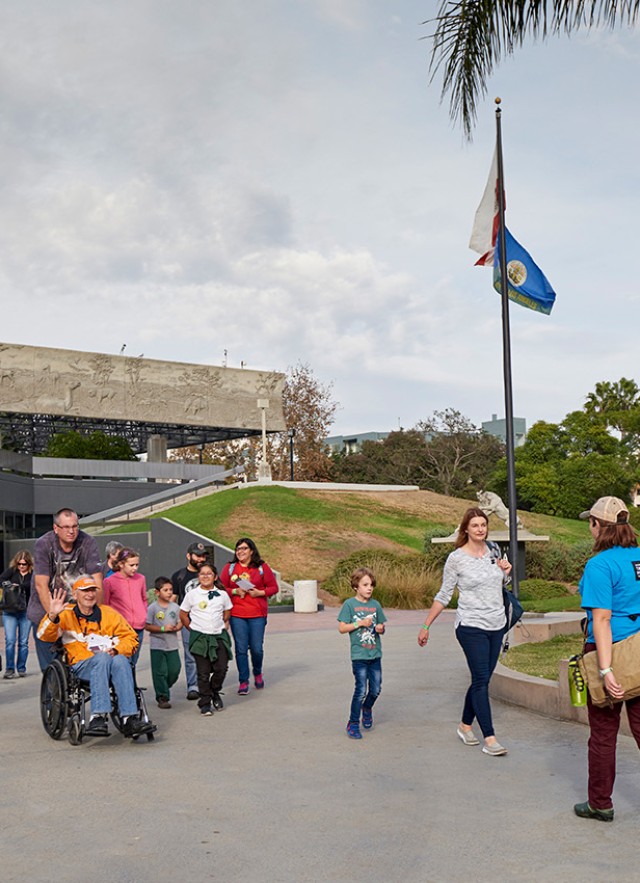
x: 436, y: 553
x: 541, y: 589
x: 408, y: 582
x: 558, y: 561
x: 562, y: 604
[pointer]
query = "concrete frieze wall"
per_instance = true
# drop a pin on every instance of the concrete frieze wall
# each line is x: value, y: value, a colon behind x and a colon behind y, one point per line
x: 70, y: 383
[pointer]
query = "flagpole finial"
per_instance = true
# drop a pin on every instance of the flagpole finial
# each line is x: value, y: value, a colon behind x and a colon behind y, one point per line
x: 498, y: 100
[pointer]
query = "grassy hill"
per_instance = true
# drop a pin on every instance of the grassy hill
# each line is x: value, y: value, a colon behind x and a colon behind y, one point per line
x: 304, y: 533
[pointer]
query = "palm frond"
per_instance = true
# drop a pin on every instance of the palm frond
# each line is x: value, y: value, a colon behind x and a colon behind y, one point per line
x: 472, y: 36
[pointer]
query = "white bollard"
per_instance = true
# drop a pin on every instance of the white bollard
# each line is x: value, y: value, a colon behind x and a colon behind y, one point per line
x: 305, y: 596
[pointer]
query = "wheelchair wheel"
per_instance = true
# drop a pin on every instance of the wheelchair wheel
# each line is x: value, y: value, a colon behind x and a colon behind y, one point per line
x: 75, y: 729
x: 54, y: 699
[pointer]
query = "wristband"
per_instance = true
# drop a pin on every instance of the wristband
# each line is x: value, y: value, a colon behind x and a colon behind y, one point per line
x: 162, y: 628
x: 605, y: 671
x: 426, y: 627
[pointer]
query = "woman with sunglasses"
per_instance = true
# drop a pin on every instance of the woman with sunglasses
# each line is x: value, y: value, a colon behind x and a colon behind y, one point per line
x: 14, y: 612
x: 250, y: 582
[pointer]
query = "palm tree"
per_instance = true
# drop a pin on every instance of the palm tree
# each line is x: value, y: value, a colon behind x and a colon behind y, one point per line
x: 472, y: 36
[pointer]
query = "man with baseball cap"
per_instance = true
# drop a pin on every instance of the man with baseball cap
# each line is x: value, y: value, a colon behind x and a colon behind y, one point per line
x: 59, y: 557
x: 181, y: 582
x: 98, y: 642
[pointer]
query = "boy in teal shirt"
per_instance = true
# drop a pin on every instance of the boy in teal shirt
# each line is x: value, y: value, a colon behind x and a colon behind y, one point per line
x: 363, y: 619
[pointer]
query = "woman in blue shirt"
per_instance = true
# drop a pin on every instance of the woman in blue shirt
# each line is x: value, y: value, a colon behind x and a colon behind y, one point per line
x: 610, y: 590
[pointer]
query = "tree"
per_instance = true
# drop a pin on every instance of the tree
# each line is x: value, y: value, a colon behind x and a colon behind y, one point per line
x: 618, y: 406
x: 472, y: 36
x: 400, y: 458
x: 96, y: 446
x: 563, y: 467
x: 459, y: 456
x: 309, y: 410
x: 445, y: 453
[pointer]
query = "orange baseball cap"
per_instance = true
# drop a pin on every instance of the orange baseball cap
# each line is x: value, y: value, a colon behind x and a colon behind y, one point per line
x: 85, y: 582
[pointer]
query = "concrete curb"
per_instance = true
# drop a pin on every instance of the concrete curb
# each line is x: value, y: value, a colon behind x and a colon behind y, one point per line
x: 548, y: 698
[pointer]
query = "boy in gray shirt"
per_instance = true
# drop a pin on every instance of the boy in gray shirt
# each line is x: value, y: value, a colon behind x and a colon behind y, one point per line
x: 163, y: 624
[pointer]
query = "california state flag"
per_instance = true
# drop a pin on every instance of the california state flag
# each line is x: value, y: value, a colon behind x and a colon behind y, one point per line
x: 487, y: 219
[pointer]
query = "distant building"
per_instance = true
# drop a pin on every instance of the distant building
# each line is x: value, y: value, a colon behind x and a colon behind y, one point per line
x: 351, y: 444
x: 498, y: 428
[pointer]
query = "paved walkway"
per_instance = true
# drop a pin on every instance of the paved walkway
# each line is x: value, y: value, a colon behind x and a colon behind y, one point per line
x: 272, y: 789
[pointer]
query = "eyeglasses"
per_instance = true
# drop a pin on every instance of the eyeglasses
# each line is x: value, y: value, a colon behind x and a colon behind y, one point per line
x: 23, y: 563
x: 67, y: 527
x: 243, y: 549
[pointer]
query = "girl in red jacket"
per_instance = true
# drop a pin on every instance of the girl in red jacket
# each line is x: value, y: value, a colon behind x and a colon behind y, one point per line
x: 126, y: 591
x: 250, y: 582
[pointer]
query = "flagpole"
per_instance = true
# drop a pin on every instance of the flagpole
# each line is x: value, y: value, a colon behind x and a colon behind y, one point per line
x: 506, y: 362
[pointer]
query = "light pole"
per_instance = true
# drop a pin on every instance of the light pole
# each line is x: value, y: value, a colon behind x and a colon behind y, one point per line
x: 264, y: 470
x: 291, y: 433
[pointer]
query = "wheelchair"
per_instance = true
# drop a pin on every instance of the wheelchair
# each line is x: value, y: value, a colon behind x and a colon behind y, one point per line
x: 64, y: 699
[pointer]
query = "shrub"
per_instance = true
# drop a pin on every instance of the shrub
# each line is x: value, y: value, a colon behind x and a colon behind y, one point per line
x: 541, y: 589
x: 558, y: 561
x: 634, y: 516
x: 408, y: 582
x: 436, y: 553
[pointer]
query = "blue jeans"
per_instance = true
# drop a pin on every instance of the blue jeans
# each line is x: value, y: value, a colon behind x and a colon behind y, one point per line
x: 368, y: 673
x: 189, y: 663
x: 134, y: 656
x: 16, y: 625
x: 482, y: 649
x: 46, y: 651
x: 101, y: 669
x: 248, y: 635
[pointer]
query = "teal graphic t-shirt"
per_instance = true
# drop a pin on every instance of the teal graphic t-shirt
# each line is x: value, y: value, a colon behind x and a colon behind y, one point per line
x: 365, y: 642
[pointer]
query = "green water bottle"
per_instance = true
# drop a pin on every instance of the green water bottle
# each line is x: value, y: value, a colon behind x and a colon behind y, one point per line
x: 577, y: 686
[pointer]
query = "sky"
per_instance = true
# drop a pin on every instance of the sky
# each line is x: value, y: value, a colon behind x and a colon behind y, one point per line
x: 279, y: 180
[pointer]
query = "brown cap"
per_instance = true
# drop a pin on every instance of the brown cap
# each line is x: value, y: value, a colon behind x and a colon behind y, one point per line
x: 608, y: 509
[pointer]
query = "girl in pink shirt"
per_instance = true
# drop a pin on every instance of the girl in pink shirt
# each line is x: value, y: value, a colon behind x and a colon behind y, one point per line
x: 126, y: 591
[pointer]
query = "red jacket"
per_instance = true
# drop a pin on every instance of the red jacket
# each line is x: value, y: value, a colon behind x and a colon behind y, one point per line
x: 248, y: 607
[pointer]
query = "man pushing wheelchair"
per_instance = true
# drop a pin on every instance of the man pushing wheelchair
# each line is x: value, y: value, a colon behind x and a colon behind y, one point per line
x: 98, y: 643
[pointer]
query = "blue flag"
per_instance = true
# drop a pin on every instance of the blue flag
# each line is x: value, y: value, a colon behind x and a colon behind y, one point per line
x: 528, y: 286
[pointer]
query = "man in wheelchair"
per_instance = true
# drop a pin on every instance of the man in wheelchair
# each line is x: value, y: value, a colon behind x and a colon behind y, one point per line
x: 98, y: 643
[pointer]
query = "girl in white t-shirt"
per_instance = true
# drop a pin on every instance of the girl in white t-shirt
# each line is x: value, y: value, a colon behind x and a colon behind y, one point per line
x: 205, y: 611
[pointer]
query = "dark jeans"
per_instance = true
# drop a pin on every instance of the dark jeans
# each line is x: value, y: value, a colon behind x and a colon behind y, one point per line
x: 368, y: 673
x: 211, y: 675
x: 482, y: 649
x: 248, y: 635
x: 604, y: 724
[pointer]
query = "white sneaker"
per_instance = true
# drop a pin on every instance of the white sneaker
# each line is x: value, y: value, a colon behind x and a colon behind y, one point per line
x: 467, y: 737
x: 495, y: 750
